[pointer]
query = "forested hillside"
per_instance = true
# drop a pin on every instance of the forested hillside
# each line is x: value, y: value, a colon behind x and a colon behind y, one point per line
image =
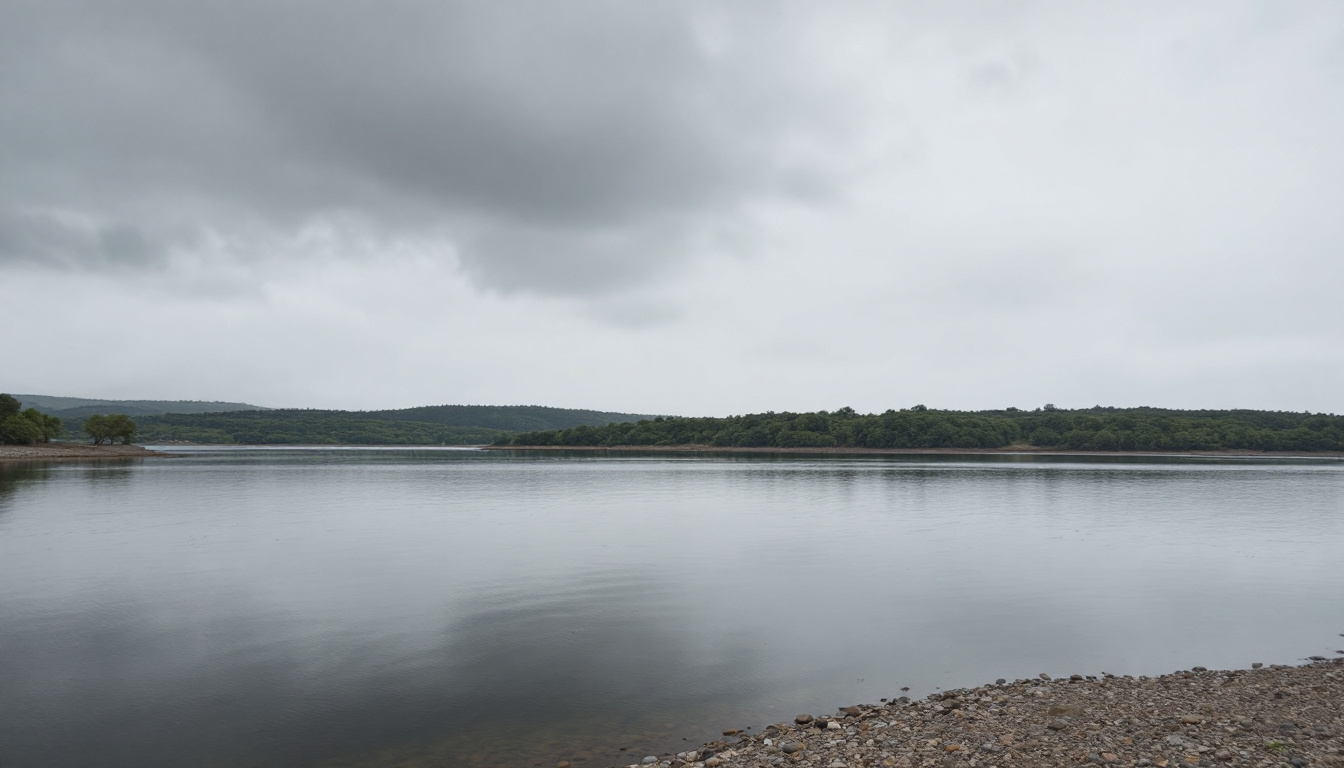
x: 516, y: 418
x: 73, y: 410
x: 303, y: 427
x: 222, y: 422
x: 429, y: 425
x: 1093, y: 429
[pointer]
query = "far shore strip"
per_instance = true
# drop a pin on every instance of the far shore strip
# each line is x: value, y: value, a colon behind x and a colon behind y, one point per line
x: 80, y: 451
x: 848, y: 451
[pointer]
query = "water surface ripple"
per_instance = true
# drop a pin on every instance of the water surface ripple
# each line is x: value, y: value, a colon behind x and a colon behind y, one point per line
x: 423, y: 607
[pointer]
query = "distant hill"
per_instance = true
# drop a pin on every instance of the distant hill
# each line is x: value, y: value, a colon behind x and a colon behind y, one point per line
x: 430, y: 425
x: 221, y: 422
x: 300, y: 427
x: 511, y: 418
x: 76, y: 409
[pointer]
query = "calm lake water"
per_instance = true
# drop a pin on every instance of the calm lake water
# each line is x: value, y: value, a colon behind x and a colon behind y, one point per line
x: 451, y: 607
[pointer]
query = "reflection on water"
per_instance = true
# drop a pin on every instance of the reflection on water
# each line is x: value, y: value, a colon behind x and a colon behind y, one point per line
x: 347, y: 608
x: 567, y: 666
x: 15, y: 474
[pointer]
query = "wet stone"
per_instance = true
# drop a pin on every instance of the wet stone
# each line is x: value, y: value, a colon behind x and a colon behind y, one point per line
x: 1180, y: 720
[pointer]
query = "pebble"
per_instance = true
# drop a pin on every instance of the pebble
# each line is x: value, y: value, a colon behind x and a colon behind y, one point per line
x: 1112, y: 721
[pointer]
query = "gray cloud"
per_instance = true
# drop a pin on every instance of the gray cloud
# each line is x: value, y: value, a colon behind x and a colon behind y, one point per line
x: 559, y: 148
x: 49, y: 239
x: 364, y: 205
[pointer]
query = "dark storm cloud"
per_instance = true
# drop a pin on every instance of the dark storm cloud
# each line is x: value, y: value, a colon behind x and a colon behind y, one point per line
x: 555, y: 147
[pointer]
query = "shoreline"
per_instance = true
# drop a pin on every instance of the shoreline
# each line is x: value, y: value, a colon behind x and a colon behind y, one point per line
x: 1276, y: 715
x: 844, y: 451
x: 73, y: 452
x: 57, y: 451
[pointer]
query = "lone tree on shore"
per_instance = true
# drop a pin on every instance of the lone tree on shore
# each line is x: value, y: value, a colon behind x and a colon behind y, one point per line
x: 25, y: 427
x: 110, y: 428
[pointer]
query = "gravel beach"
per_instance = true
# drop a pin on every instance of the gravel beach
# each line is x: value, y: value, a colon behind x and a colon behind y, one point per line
x: 1265, y: 716
x: 64, y: 451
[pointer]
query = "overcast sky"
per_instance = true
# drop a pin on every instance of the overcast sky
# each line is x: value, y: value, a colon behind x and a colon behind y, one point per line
x: 674, y: 207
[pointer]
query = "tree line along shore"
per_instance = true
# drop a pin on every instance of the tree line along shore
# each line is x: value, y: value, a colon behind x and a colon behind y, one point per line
x: 920, y: 428
x: 223, y: 423
x: 912, y: 429
x: 30, y: 426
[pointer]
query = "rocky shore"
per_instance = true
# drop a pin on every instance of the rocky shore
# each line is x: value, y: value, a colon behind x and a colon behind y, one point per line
x: 67, y: 451
x: 1265, y: 716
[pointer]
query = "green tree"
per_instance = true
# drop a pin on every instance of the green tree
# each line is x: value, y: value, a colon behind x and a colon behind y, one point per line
x: 25, y: 427
x: 110, y: 428
x: 49, y: 425
x: 17, y: 430
x: 96, y: 427
x: 121, y: 428
x: 1045, y: 438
